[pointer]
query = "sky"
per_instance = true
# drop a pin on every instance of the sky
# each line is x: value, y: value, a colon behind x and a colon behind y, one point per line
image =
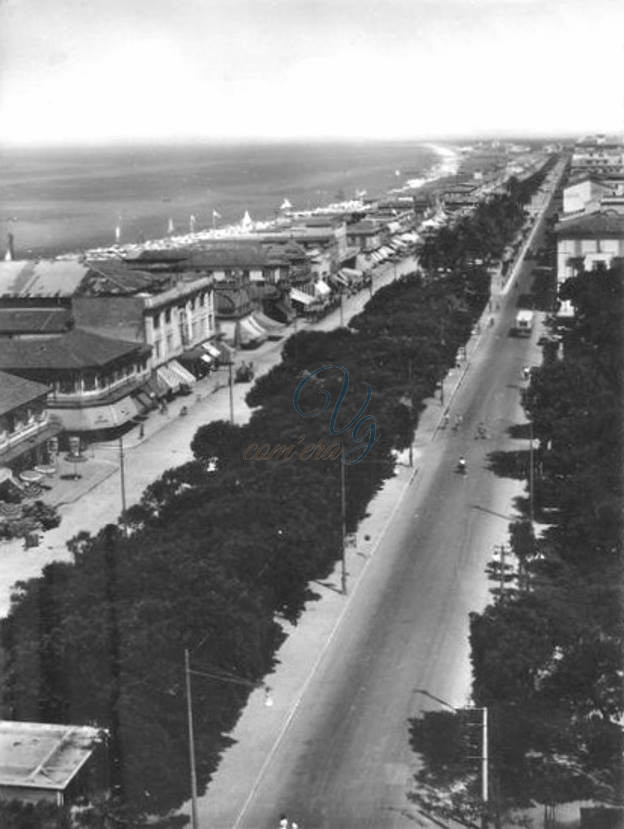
x: 92, y: 71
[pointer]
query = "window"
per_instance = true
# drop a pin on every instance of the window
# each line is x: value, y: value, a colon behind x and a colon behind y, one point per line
x: 67, y: 385
x: 89, y: 381
x: 168, y: 315
x: 169, y: 342
x: 156, y: 321
x: 157, y: 349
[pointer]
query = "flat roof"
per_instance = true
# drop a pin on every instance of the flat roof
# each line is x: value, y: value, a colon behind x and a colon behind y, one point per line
x: 44, y: 756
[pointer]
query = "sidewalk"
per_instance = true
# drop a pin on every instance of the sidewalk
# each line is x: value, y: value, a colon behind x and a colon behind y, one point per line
x: 259, y: 730
x: 94, y: 499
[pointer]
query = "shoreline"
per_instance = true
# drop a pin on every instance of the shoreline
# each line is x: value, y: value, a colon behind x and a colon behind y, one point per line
x: 447, y: 163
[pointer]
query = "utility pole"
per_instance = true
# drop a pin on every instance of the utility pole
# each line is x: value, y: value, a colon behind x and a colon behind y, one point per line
x: 343, y: 517
x: 484, y: 768
x: 189, y: 716
x: 531, y: 472
x: 231, y: 387
x: 409, y: 380
x: 122, y: 478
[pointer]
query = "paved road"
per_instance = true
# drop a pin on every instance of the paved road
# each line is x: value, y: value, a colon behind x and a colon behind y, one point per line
x: 344, y: 761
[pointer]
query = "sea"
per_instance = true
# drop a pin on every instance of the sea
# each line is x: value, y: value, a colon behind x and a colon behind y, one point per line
x: 69, y: 199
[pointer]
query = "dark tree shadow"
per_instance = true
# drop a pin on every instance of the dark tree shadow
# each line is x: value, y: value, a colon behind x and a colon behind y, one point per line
x: 509, y: 464
x: 520, y: 431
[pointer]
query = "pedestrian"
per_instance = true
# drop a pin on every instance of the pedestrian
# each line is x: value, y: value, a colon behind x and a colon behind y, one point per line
x: 141, y: 431
x: 283, y: 824
x: 526, y: 372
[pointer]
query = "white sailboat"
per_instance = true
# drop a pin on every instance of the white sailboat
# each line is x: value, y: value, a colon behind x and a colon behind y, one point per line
x: 192, y: 223
x: 247, y: 223
x: 170, y: 228
x: 286, y: 205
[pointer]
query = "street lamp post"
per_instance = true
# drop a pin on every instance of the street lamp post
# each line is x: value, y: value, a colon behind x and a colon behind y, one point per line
x: 232, y: 680
x: 122, y: 480
x: 484, y: 758
x: 191, y: 736
x: 531, y: 472
x: 231, y: 388
x: 343, y: 518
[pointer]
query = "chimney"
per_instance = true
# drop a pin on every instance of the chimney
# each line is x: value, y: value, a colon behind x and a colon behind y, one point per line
x: 10, y: 253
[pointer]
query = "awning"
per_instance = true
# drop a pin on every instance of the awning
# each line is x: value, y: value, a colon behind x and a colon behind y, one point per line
x: 191, y: 354
x: 248, y: 334
x: 352, y: 274
x: 255, y: 324
x: 338, y: 280
x: 166, y: 375
x: 283, y: 306
x: 267, y: 323
x: 212, y: 350
x: 50, y: 430
x: 300, y: 297
x: 322, y: 289
x: 143, y: 399
x: 226, y: 352
x: 184, y: 375
x: 155, y: 387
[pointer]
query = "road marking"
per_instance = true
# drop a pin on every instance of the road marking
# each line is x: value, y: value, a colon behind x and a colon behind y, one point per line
x: 317, y: 662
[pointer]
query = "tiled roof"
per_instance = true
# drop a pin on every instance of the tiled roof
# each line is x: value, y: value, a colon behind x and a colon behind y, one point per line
x: 230, y: 256
x: 45, y: 278
x: 34, y: 320
x: 77, y: 349
x: 16, y: 391
x: 601, y: 224
x: 116, y: 278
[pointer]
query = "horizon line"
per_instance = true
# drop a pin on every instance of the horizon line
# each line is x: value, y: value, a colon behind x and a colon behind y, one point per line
x: 172, y: 141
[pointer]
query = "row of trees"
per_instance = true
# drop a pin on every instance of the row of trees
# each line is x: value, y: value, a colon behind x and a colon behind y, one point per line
x: 547, y: 654
x: 221, y: 546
